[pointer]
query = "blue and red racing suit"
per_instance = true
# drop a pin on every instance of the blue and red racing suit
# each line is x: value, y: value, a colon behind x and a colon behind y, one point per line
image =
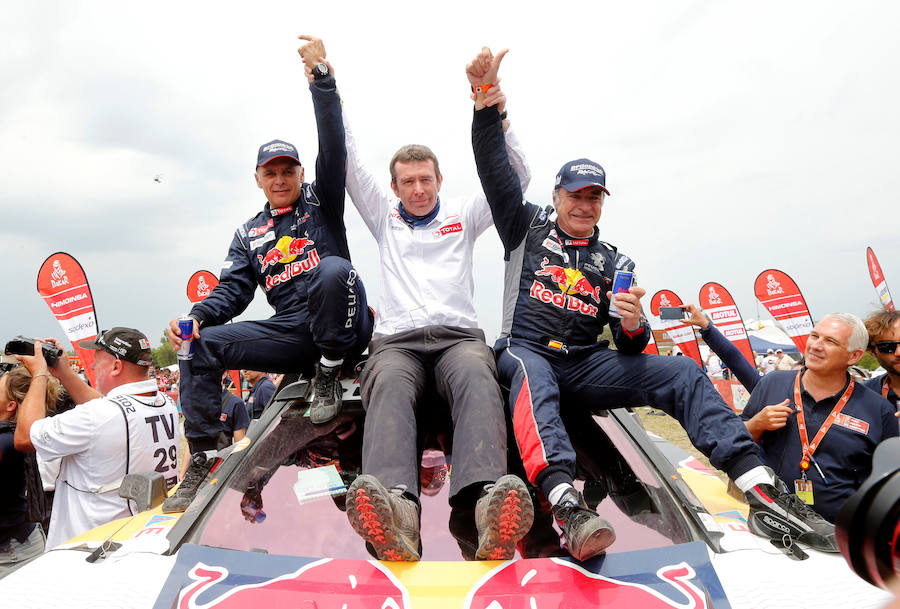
x: 298, y: 256
x: 555, y: 308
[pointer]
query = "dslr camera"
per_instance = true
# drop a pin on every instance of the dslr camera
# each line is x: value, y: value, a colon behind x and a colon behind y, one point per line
x: 22, y: 345
x: 867, y: 527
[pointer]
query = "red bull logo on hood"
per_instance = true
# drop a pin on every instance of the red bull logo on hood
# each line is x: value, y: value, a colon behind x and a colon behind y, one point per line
x: 325, y: 584
x: 529, y: 584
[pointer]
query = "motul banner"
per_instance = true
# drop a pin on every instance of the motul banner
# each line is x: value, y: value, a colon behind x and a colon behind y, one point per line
x: 681, y: 333
x: 879, y: 281
x: 200, y: 285
x: 717, y: 302
x: 782, y: 298
x: 62, y: 284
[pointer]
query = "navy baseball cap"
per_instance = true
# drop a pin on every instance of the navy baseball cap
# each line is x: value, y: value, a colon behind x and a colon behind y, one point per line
x: 274, y: 150
x: 579, y: 174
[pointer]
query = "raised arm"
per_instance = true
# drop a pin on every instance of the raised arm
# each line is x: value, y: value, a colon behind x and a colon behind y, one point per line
x: 371, y: 200
x: 501, y: 185
x: 730, y: 355
x: 331, y: 161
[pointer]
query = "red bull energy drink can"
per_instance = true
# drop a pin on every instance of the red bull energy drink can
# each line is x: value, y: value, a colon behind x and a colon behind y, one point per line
x: 622, y: 280
x: 186, y: 326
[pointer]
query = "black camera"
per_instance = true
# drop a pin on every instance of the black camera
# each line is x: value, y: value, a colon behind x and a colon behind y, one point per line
x: 868, y: 525
x: 22, y: 345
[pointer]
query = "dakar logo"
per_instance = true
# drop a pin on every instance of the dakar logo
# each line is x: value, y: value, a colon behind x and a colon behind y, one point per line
x: 664, y: 301
x: 772, y: 286
x: 714, y: 297
x: 58, y: 277
x: 202, y: 287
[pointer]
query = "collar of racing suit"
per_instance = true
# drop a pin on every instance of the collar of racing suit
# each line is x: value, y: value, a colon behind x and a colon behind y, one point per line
x: 567, y: 240
x: 414, y: 221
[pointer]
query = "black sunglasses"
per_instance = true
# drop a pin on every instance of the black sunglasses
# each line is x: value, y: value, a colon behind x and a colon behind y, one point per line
x: 887, y: 346
x: 102, y: 343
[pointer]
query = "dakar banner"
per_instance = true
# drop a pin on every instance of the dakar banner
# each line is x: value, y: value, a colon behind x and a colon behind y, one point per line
x: 62, y: 284
x: 681, y: 333
x: 879, y: 281
x: 651, y: 347
x: 782, y: 298
x: 200, y: 285
x: 717, y: 302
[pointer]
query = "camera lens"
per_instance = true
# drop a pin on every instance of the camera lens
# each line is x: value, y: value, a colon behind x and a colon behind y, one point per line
x: 868, y: 525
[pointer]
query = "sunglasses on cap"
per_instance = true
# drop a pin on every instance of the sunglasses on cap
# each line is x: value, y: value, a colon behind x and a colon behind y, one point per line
x: 106, y: 347
x: 887, y: 346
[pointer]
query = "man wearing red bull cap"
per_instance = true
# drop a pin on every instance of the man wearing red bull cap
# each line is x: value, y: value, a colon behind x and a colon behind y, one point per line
x: 426, y: 334
x: 550, y: 344
x: 295, y: 250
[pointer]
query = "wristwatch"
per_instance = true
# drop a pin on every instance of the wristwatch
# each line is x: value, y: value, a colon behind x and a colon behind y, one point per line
x: 320, y: 71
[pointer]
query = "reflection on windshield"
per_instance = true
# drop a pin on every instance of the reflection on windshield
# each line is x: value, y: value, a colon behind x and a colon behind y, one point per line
x: 287, y: 495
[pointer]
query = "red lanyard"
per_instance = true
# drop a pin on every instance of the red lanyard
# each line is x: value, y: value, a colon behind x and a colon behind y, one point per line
x: 886, y: 387
x: 810, y: 447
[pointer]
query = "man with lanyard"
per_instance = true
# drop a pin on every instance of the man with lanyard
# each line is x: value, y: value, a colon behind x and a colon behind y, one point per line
x: 815, y: 427
x: 296, y: 251
x: 884, y: 343
x: 125, y: 425
x: 556, y: 304
x: 427, y: 333
x: 261, y: 391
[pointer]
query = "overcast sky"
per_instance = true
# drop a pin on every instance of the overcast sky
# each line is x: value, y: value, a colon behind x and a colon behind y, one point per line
x: 736, y: 136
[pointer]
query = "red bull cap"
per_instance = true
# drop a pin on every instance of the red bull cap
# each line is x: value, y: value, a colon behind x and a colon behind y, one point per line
x: 579, y: 174
x: 276, y: 149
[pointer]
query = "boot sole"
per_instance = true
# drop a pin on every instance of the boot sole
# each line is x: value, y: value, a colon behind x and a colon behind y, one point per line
x: 509, y: 516
x: 596, y: 544
x: 371, y: 516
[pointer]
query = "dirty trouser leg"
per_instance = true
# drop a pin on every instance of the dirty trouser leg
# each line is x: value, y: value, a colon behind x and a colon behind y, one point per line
x: 391, y: 385
x: 466, y: 377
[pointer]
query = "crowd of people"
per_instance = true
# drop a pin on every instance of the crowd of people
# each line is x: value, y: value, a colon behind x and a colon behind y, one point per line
x: 557, y: 301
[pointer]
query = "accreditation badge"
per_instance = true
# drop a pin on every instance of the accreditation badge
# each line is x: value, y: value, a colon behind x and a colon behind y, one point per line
x: 804, y: 490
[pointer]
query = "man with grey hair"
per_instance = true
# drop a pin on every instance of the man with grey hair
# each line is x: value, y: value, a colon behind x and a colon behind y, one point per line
x: 816, y: 427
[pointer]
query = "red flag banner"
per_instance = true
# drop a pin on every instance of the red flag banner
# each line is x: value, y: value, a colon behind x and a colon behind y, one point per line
x: 200, y: 285
x: 651, y: 347
x: 782, y: 298
x: 62, y: 284
x: 879, y: 281
x: 717, y: 302
x: 682, y: 334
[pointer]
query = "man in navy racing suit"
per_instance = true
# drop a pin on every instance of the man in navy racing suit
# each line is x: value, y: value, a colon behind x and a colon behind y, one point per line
x: 296, y: 251
x: 556, y: 303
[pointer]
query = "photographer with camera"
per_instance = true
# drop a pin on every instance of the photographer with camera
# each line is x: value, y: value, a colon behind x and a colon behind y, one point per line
x: 21, y: 495
x: 132, y: 428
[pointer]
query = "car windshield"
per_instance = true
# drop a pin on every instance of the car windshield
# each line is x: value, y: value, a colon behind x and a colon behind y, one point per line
x: 286, y: 495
